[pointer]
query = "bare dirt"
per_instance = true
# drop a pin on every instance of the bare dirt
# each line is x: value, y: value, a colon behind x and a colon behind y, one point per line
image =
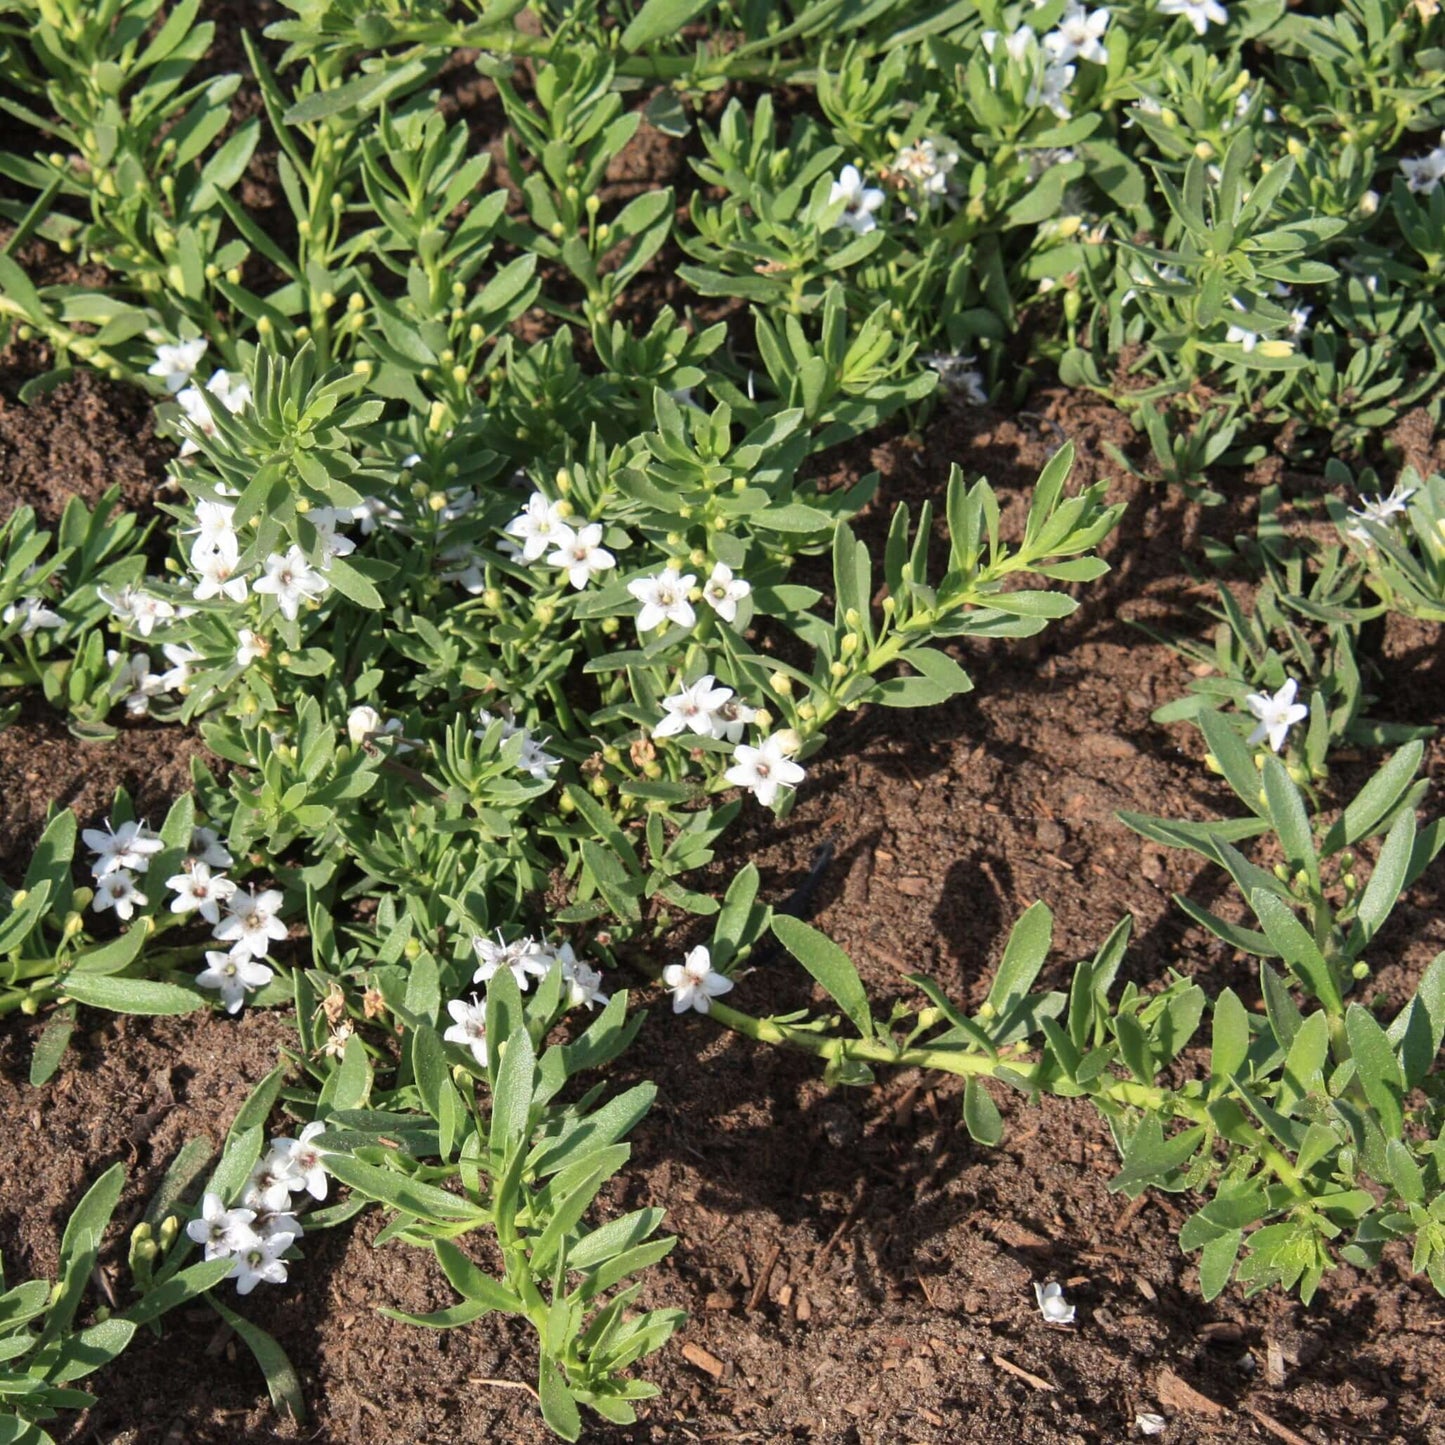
x: 857, y: 1271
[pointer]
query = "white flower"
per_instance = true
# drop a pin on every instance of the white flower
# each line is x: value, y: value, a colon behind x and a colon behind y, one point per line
x: 927, y: 164
x: 464, y: 567
x: 1299, y: 321
x: 960, y: 373
x: 722, y: 591
x: 268, y: 1191
x: 469, y: 1027
x: 117, y: 890
x: 1276, y: 715
x: 1052, y: 1304
x: 223, y: 1231
x: 1247, y: 339
x: 1048, y: 89
x: 1379, y: 511
x: 206, y: 847
x: 233, y: 974
x: 764, y: 769
x: 731, y: 718
x: 234, y: 393
x: 1199, y: 13
x: 1019, y: 44
x: 261, y: 1263
x: 1423, y: 173
x: 584, y: 983
x: 129, y: 847
x: 326, y: 520
x: 860, y: 201
x: 175, y: 361
x: 361, y: 723
x: 179, y: 673
x: 299, y: 1161
x: 1079, y: 36
x: 524, y: 957
x: 198, y: 892
x: 664, y: 599
x: 582, y: 555
x: 540, y: 525
x: 374, y: 511
x: 292, y: 580
x: 251, y: 923
x: 693, y: 983
x: 251, y: 646
x: 33, y: 614
x: 215, y: 527
x: 217, y: 570
x: 536, y: 761
x: 135, y: 681
x: 693, y: 706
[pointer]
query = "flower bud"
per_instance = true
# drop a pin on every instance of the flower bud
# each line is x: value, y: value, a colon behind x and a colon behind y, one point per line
x: 437, y: 502
x: 697, y: 557
x: 362, y: 368
x: 170, y: 1227
x: 675, y: 539
x: 788, y: 740
x: 603, y: 231
x: 412, y: 950
x: 73, y: 924
x: 437, y: 418
x: 600, y: 786
x: 610, y: 627
x: 782, y: 684
x: 1281, y: 871
x: 18, y: 901
x: 545, y: 614
x: 838, y: 671
x: 848, y: 644
x: 1369, y: 203
x: 492, y: 598
x: 263, y: 325
x: 30, y: 1005
x: 652, y: 771
x: 1360, y: 971
x: 807, y: 712
x: 360, y: 722
x: 593, y: 204
x: 565, y: 804
x: 763, y: 718
x: 1070, y: 226
x: 1350, y: 882
x: 558, y: 230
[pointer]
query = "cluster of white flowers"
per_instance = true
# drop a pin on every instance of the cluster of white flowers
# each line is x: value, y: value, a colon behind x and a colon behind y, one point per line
x: 249, y: 923
x: 1051, y: 60
x: 1423, y: 173
x: 258, y: 1233
x: 543, y: 530
x: 175, y: 364
x: 525, y: 958
x: 535, y: 760
x: 667, y: 596
x: 927, y: 166
x: 1378, y: 511
x: 137, y: 684
x: 710, y: 710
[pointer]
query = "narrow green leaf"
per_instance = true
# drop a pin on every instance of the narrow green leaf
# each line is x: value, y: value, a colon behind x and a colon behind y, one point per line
x: 981, y: 1115
x: 830, y: 967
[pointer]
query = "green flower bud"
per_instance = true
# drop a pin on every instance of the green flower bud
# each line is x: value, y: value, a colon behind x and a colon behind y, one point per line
x: 1360, y: 971
x: 838, y: 670
x: 492, y: 598
x: 781, y: 683
x: 545, y: 614
x: 610, y: 627
x: 412, y: 949
x: 848, y: 645
x: 30, y: 1005
x: 600, y: 786
x: 565, y: 804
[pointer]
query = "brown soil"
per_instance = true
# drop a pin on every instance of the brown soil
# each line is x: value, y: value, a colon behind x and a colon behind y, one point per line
x: 855, y: 1268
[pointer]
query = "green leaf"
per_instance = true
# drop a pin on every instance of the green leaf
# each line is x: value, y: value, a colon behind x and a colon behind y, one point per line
x: 559, y: 1408
x: 1376, y: 799
x: 1419, y: 1027
x: 282, y: 1382
x: 1283, y: 1013
x: 353, y: 584
x: 132, y: 995
x: 401, y: 1192
x: 1377, y: 1068
x: 512, y: 1096
x: 189, y: 1284
x: 1023, y: 957
x: 50, y: 1047
x: 830, y: 967
x: 1296, y: 947
x: 981, y: 1115
x: 1152, y: 1159
x: 1230, y: 1045
x: 1216, y: 1263
x: 1235, y: 760
x: 1291, y: 822
x: 660, y: 19
x: 471, y: 1283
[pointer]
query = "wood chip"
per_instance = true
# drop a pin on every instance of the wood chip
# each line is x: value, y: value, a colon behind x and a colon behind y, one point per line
x: 1177, y: 1394
x: 760, y: 1289
x: 914, y: 887
x: 1280, y: 1432
x: 1008, y: 1367
x: 804, y: 1311
x: 703, y: 1359
x: 1223, y: 1331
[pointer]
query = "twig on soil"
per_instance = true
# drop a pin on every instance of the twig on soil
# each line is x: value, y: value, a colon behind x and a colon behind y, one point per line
x: 760, y: 1289
x: 837, y: 1235
x: 505, y: 1385
x: 705, y: 1360
x: 1281, y: 1432
x: 1019, y: 1373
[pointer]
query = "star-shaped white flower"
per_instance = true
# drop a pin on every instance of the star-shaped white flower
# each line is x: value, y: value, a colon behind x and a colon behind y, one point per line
x: 524, y: 957
x: 298, y: 1161
x: 1276, y: 715
x: 584, y: 983
x: 261, y: 1263
x: 582, y: 556
x: 32, y: 614
x: 223, y: 1231
x: 251, y: 923
x: 233, y: 975
x: 1079, y: 36
x: 206, y: 847
x: 693, y: 706
x: 722, y: 591
x: 664, y: 599
x: 175, y: 361
x: 764, y: 769
x: 540, y: 525
x: 197, y: 891
x: 860, y: 201
x: 1423, y: 173
x: 693, y: 983
x: 130, y: 846
x: 1378, y: 511
x: 469, y: 1027
x: 233, y: 393
x: 1247, y: 339
x: 292, y: 580
x: 731, y: 718
x: 1201, y: 14
x: 117, y: 890
x: 1050, y: 89
x: 1052, y: 1304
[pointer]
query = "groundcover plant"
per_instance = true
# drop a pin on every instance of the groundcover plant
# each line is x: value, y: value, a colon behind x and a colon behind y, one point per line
x: 499, y: 570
